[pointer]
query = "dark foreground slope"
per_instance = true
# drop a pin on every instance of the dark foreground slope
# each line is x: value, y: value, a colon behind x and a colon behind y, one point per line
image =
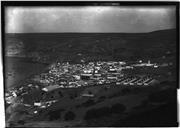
x: 115, y: 106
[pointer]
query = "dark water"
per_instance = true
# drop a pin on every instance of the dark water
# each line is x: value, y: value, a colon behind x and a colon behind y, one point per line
x: 18, y: 69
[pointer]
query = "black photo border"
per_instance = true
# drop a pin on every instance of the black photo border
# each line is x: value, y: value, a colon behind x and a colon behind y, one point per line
x: 5, y: 4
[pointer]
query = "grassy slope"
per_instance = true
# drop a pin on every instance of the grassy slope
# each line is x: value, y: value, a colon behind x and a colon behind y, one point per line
x: 110, y: 45
x: 134, y: 99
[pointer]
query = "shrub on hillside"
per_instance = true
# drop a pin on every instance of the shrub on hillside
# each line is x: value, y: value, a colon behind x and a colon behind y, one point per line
x: 73, y: 95
x: 21, y: 122
x: 163, y: 96
x: 60, y: 94
x: 88, y: 103
x: 96, y: 113
x: 69, y: 116
x: 101, y: 98
x: 55, y: 115
x: 104, y: 111
x: 118, y: 108
x: 125, y: 91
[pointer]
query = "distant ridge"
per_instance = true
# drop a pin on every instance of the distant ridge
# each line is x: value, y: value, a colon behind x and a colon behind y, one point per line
x: 105, y: 45
x: 165, y: 30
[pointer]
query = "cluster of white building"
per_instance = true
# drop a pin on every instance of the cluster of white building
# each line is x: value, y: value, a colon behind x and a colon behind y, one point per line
x: 65, y: 75
x: 93, y: 73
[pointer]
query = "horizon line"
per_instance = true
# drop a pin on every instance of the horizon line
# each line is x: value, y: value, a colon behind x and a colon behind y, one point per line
x: 92, y: 32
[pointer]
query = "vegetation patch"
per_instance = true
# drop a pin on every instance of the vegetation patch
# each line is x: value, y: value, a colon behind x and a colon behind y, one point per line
x: 55, y: 115
x: 69, y: 116
x: 104, y: 111
x: 163, y: 96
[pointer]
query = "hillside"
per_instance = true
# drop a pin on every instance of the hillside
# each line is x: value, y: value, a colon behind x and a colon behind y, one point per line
x: 109, y: 105
x: 77, y: 46
x: 114, y: 106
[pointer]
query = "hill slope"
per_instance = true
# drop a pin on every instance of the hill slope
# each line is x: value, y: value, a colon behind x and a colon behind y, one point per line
x: 102, y: 45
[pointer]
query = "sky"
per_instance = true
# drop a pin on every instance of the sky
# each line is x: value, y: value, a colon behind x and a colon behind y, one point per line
x: 97, y: 19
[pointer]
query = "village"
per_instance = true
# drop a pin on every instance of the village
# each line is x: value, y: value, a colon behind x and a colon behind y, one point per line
x: 65, y: 75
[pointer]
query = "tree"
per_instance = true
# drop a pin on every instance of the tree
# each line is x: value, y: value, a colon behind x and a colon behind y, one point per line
x: 118, y: 108
x: 55, y: 115
x: 89, y: 102
x: 69, y: 116
x: 21, y: 122
x: 97, y: 113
